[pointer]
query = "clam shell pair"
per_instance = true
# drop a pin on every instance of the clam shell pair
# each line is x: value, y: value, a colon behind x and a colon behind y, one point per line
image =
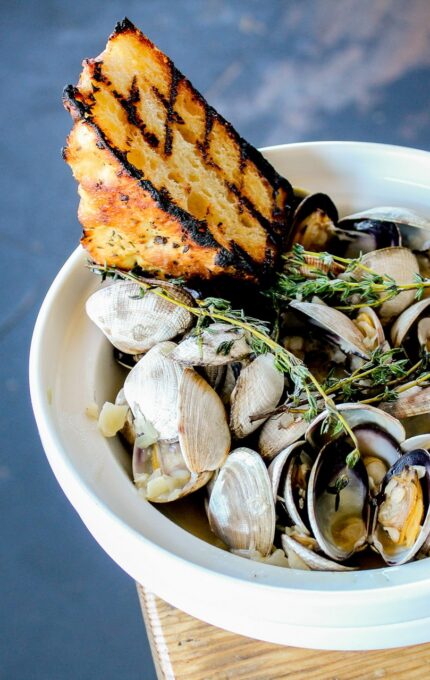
x: 241, y: 509
x: 177, y: 402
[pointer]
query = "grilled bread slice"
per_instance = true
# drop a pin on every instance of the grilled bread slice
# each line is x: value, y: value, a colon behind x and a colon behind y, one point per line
x: 165, y: 182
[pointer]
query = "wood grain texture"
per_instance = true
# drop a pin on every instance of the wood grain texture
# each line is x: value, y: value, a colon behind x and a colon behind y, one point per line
x: 187, y: 649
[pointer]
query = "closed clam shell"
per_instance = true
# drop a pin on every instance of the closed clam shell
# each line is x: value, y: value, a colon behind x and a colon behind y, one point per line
x: 401, y: 265
x: 258, y: 389
x: 202, y: 423
x: 151, y: 389
x: 278, y: 432
x: 337, y: 326
x: 311, y: 559
x: 241, y: 509
x: 355, y: 415
x: 133, y: 323
x: 218, y: 344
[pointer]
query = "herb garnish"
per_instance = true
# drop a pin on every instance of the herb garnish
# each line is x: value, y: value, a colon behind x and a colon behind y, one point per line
x: 355, y: 281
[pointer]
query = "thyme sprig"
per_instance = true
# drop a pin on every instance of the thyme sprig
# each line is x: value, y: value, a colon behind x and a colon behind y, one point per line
x: 356, y: 281
x: 258, y: 336
x: 384, y: 368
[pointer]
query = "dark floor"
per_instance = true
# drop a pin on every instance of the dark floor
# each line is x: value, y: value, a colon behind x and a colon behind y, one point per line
x: 281, y: 72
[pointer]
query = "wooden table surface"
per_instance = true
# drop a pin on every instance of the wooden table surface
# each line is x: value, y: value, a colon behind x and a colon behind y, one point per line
x: 187, y: 649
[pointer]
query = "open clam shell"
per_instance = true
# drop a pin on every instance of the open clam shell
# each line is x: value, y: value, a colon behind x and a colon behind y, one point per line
x: 278, y: 432
x: 258, y: 389
x: 379, y: 450
x: 218, y: 344
x: 314, y: 221
x: 289, y: 474
x: 414, y: 228
x: 366, y: 231
x: 241, y: 509
x: 151, y: 389
x: 402, y: 520
x: 132, y: 323
x: 310, y: 559
x: 401, y: 265
x: 378, y: 438
x: 161, y: 474
x: 204, y: 435
x: 405, y: 331
x: 338, y: 328
x: 337, y: 502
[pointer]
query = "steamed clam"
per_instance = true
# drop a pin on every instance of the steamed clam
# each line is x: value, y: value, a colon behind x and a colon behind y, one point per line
x: 402, y: 518
x: 314, y: 222
x: 336, y: 326
x: 151, y: 389
x: 337, y: 502
x: 216, y: 345
x: 366, y: 231
x: 401, y: 265
x: 278, y: 432
x: 370, y: 327
x: 161, y: 474
x: 177, y: 447
x: 258, y: 389
x: 134, y: 323
x: 241, y: 509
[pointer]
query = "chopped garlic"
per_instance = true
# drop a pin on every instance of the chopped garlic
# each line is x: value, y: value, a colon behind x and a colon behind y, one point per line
x: 92, y: 411
x: 164, y: 484
x: 112, y: 418
x: 146, y: 432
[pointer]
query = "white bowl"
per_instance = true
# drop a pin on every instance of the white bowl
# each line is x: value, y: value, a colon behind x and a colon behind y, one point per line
x: 71, y: 365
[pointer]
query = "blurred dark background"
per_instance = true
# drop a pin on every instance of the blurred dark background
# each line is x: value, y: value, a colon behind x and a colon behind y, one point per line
x: 281, y: 72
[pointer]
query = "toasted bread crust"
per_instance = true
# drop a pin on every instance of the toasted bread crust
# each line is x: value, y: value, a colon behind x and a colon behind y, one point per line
x: 200, y: 200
